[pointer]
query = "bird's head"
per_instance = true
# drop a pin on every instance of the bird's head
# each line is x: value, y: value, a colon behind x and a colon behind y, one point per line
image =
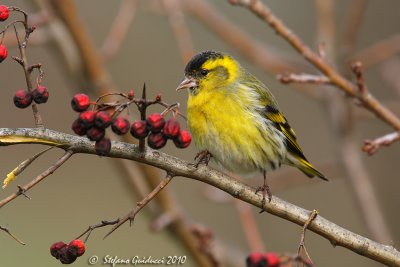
x: 209, y: 70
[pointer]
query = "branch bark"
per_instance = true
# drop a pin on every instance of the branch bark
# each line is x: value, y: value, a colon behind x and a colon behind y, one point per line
x: 337, y: 235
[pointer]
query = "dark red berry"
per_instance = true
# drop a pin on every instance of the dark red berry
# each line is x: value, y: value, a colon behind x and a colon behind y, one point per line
x: 156, y: 140
x: 40, y: 94
x: 131, y: 94
x: 171, y: 128
x: 87, y: 118
x: 273, y: 259
x: 103, y: 147
x: 102, y: 119
x: 55, y: 249
x: 183, y: 140
x: 4, y: 13
x: 158, y: 97
x: 139, y: 129
x: 155, y: 122
x: 78, y: 246
x: 256, y: 259
x: 120, y: 125
x: 3, y: 52
x: 78, y: 127
x: 95, y: 134
x: 80, y: 102
x: 22, y: 98
x: 66, y: 256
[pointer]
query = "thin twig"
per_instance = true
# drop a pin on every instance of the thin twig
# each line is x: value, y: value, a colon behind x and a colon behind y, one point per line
x: 368, y: 101
x: 90, y: 229
x: 38, y: 178
x: 5, y: 229
x: 335, y: 234
x: 302, y: 78
x: 131, y: 215
x: 372, y: 146
x: 302, y: 245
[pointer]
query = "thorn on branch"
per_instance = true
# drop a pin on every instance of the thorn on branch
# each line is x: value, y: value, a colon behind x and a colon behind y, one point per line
x: 372, y: 146
x: 90, y: 229
x: 22, y: 191
x: 358, y: 70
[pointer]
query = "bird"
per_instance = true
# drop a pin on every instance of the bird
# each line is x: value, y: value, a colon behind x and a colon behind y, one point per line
x: 235, y: 120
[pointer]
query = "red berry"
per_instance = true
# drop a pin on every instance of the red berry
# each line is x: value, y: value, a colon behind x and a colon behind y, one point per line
x: 66, y: 255
x: 4, y: 13
x: 183, y: 140
x: 155, y: 122
x: 87, y: 118
x: 256, y: 259
x: 80, y: 102
x: 273, y: 259
x: 131, y: 94
x: 78, y: 127
x: 40, y: 94
x: 158, y: 97
x: 78, y: 246
x: 139, y: 129
x: 3, y: 52
x: 95, y: 134
x: 22, y: 98
x: 103, y: 147
x: 120, y: 126
x: 55, y: 249
x: 171, y: 129
x: 102, y: 119
x: 156, y: 140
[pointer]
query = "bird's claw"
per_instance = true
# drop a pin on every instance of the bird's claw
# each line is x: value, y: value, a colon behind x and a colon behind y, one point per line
x: 265, y: 191
x: 203, y: 157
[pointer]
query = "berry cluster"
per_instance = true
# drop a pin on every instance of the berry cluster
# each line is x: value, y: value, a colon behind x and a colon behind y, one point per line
x: 93, y: 124
x: 67, y: 254
x: 4, y: 14
x: 158, y: 131
x: 24, y: 98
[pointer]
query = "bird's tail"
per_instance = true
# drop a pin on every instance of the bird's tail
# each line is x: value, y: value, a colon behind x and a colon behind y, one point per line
x: 303, y: 165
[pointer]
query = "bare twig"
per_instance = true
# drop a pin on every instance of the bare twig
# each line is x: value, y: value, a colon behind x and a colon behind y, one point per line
x: 358, y: 70
x: 302, y: 78
x: 335, y: 234
x: 90, y: 229
x: 119, y: 29
x: 131, y: 215
x: 39, y: 178
x: 368, y: 101
x: 5, y: 229
x: 372, y: 146
x: 302, y: 245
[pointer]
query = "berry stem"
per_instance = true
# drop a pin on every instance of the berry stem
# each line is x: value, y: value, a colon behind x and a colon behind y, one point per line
x: 26, y: 68
x: 142, y: 109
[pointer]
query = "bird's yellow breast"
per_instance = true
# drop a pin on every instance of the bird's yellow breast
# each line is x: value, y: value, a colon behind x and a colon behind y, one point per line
x: 221, y: 123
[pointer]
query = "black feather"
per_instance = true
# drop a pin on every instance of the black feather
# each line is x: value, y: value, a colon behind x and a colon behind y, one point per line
x: 198, y: 60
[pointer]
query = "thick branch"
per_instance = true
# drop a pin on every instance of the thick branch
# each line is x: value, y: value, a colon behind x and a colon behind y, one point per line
x: 334, y: 233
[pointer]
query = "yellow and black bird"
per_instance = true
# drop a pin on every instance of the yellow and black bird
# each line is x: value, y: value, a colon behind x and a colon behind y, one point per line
x: 234, y: 117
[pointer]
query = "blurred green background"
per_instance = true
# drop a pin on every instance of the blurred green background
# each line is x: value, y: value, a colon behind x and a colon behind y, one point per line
x: 87, y: 189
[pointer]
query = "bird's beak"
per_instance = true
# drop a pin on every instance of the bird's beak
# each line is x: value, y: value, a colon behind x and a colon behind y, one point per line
x: 187, y: 83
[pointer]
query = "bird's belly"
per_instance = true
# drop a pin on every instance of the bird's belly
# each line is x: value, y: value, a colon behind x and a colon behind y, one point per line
x: 236, y: 140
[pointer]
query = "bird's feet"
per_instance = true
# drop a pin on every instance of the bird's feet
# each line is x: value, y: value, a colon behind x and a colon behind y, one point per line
x: 266, y: 191
x: 203, y: 157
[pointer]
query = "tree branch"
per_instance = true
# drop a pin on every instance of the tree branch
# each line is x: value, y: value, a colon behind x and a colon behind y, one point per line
x: 337, y: 235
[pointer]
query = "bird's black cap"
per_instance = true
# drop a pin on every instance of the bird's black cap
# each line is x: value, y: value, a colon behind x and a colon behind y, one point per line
x: 198, y: 60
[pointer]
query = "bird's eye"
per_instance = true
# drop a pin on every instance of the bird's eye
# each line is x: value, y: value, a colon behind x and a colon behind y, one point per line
x: 203, y: 72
